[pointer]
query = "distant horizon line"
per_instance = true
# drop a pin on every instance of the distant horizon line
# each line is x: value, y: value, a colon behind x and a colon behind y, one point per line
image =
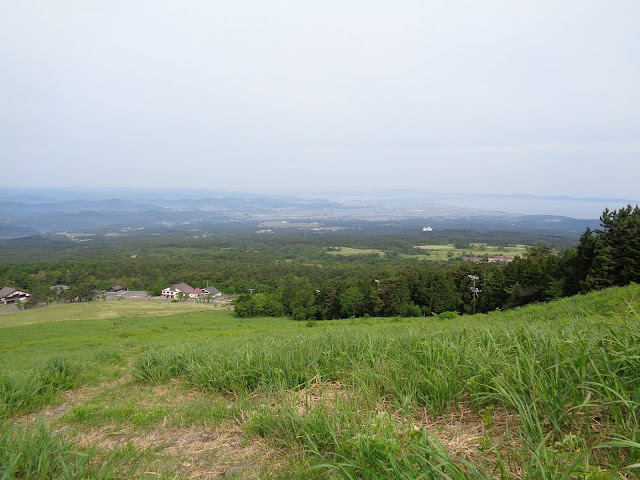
x: 350, y: 192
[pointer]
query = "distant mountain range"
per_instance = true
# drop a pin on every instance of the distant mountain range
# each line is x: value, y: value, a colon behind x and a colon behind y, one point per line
x: 109, y: 205
x: 25, y: 212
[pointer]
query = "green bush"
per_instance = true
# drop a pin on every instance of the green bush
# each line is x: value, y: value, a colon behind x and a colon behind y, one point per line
x: 259, y: 305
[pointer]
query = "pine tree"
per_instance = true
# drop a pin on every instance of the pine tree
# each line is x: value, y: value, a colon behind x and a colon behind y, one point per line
x: 612, y: 255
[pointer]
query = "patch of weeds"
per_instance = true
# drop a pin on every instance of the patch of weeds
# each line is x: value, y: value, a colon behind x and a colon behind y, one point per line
x: 85, y: 413
x: 156, y: 366
x: 109, y: 357
x: 60, y: 374
x: 380, y: 440
x: 205, y: 411
x: 95, y: 414
x: 485, y: 443
x: 36, y: 452
x: 128, y: 333
x: 486, y: 415
x: 145, y: 418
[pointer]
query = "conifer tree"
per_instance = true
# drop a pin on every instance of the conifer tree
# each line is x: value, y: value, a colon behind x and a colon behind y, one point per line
x: 611, y: 256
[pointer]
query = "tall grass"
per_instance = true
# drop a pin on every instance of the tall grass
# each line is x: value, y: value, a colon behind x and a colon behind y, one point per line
x: 22, y: 392
x: 553, y: 371
x: 570, y: 378
x: 36, y: 452
x: 345, y: 443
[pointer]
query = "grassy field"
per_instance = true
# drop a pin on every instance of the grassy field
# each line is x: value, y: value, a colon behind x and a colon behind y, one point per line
x: 348, y: 251
x: 542, y: 392
x: 100, y: 310
x: 450, y: 252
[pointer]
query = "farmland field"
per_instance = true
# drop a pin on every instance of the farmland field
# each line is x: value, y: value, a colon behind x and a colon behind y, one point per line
x: 450, y: 252
x: 348, y: 251
x: 107, y: 390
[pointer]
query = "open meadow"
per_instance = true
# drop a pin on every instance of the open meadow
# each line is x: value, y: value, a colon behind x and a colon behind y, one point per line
x: 166, y: 390
x: 451, y: 252
x: 438, y: 252
x: 348, y: 251
x: 99, y: 310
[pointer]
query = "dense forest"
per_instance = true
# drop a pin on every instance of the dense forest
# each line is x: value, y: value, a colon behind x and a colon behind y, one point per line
x: 297, y: 275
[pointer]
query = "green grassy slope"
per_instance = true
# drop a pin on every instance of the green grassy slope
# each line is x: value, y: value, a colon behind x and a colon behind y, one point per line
x: 543, y: 391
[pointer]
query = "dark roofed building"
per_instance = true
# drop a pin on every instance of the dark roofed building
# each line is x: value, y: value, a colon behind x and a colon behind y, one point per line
x: 212, y: 291
x: 12, y: 295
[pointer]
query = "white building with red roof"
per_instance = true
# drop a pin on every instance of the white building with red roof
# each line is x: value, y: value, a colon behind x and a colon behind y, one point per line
x: 197, y: 292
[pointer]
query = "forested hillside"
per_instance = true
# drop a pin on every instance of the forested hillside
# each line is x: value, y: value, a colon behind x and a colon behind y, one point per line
x: 301, y: 275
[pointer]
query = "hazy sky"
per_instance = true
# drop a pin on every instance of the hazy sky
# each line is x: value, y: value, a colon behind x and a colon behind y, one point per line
x: 538, y: 97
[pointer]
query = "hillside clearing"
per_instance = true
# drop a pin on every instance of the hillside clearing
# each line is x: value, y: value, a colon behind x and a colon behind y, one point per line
x: 348, y: 251
x: 100, y: 310
x: 451, y: 252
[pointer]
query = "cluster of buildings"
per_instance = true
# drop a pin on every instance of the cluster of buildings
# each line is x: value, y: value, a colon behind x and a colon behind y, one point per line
x: 478, y: 258
x: 174, y: 291
x: 9, y: 295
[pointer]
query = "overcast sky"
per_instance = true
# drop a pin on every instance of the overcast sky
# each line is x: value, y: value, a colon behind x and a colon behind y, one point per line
x: 538, y: 97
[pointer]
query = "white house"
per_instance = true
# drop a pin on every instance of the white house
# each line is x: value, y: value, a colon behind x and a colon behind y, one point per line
x: 12, y: 295
x: 174, y: 290
x: 197, y: 292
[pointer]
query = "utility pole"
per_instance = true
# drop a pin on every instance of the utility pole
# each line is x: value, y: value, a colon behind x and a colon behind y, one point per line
x: 474, y: 291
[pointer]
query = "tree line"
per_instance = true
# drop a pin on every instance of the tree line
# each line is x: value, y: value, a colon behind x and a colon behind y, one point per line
x: 609, y: 256
x: 297, y: 277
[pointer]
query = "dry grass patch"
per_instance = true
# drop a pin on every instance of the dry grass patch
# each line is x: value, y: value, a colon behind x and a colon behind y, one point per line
x: 71, y: 399
x: 318, y: 394
x: 480, y: 438
x: 463, y: 432
x: 193, y: 452
x: 101, y: 311
x: 171, y: 394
